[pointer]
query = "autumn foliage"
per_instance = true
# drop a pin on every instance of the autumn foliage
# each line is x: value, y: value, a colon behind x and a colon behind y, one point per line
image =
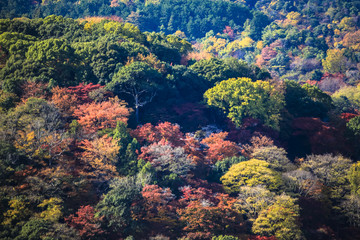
x: 100, y: 157
x: 165, y: 131
x: 85, y: 222
x: 96, y: 116
x: 82, y: 91
x: 160, y: 207
x: 206, y: 213
x: 245, y: 123
x: 219, y: 148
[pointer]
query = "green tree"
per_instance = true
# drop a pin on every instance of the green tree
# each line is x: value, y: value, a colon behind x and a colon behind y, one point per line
x: 127, y: 157
x: 168, y: 48
x: 240, y: 98
x: 138, y: 80
x: 280, y: 220
x: 347, y: 99
x: 354, y: 125
x: 221, y: 167
x: 34, y: 229
x: 7, y: 100
x: 215, y: 69
x: 16, y: 43
x: 354, y: 178
x: 250, y: 173
x: 331, y: 170
x: 258, y: 22
x: 51, y: 60
x: 121, y: 206
x: 306, y: 100
x: 103, y: 56
x: 335, y: 61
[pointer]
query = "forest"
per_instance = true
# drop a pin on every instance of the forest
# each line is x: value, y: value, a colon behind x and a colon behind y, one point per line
x: 179, y: 119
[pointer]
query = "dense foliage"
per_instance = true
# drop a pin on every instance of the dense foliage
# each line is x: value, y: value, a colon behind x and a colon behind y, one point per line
x: 250, y: 131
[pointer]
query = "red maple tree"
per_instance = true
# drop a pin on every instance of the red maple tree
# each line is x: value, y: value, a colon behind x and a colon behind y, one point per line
x: 85, y: 222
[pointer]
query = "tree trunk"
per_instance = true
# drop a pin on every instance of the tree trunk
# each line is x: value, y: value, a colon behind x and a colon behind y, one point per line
x: 137, y: 109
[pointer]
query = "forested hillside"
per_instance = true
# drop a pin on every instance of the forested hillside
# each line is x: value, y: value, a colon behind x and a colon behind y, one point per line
x: 185, y: 119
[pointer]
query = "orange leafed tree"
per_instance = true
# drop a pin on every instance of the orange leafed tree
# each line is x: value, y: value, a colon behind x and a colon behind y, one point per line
x: 219, y: 148
x: 159, y: 207
x: 100, y: 156
x: 205, y: 214
x: 352, y: 40
x: 64, y: 100
x: 163, y: 131
x: 97, y: 116
x: 193, y: 148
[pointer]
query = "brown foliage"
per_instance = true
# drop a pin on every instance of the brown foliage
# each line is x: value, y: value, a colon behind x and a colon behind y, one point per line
x: 257, y: 142
x: 268, y: 53
x: 159, y: 206
x: 63, y: 100
x: 34, y: 89
x: 352, y: 40
x: 323, y: 138
x: 193, y: 149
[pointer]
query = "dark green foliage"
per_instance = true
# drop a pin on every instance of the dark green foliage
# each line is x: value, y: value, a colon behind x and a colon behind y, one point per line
x: 16, y: 43
x: 195, y: 17
x: 14, y: 8
x: 216, y: 70
x: 34, y: 229
x: 9, y: 159
x: 54, y: 60
x: 103, y: 57
x: 50, y: 60
x: 58, y: 26
x: 139, y: 81
x: 43, y: 150
x: 120, y: 206
x: 7, y: 100
x: 138, y: 75
x: 168, y: 48
x: 306, y: 100
x: 258, y: 22
x: 127, y: 157
x: 354, y: 125
x: 189, y: 84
